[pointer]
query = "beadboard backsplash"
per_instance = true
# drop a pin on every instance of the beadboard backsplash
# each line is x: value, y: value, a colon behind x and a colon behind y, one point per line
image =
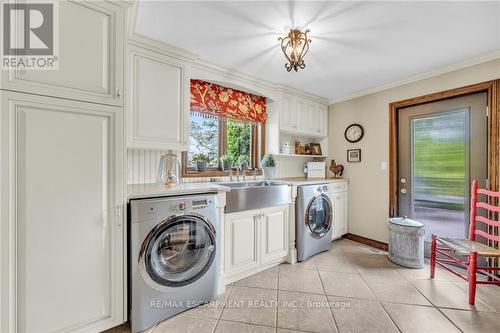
x: 142, y: 166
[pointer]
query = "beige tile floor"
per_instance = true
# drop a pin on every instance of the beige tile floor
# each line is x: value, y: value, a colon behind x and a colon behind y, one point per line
x: 351, y: 288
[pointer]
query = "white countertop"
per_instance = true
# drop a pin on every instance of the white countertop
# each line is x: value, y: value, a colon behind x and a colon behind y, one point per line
x: 137, y: 191
x: 310, y: 181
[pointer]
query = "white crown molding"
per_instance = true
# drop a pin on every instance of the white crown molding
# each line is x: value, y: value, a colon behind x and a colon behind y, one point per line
x: 160, y: 47
x: 442, y: 70
x: 200, y: 66
x: 290, y: 90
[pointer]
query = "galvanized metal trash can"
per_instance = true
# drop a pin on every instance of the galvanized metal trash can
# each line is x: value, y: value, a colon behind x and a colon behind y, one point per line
x: 406, y: 242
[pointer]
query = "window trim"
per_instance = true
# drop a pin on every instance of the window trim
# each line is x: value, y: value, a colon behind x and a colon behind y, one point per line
x: 218, y: 172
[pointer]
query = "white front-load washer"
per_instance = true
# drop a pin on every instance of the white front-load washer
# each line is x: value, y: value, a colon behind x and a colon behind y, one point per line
x: 313, y: 220
x: 173, y: 256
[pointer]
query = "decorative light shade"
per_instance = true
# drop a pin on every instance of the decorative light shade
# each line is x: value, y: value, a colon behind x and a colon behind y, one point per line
x: 295, y: 47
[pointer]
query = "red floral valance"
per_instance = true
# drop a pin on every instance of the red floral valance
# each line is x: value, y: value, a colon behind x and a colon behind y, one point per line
x: 207, y: 97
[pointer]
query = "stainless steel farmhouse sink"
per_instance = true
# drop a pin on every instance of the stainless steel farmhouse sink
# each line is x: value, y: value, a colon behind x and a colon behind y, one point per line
x: 255, y: 195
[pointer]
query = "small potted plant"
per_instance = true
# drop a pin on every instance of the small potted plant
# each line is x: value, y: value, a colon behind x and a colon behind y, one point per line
x: 201, y: 162
x: 243, y: 163
x: 268, y: 165
x: 227, y: 162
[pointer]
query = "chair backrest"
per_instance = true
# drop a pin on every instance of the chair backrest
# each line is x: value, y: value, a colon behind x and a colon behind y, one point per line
x: 475, y: 204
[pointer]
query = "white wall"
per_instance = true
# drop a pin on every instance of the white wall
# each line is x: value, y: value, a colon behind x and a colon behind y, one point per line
x: 368, y: 184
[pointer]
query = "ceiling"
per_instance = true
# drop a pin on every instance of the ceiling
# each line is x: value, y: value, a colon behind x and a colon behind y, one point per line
x: 355, y: 45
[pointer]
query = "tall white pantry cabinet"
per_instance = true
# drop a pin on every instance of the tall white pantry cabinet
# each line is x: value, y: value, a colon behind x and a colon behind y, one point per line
x: 62, y: 183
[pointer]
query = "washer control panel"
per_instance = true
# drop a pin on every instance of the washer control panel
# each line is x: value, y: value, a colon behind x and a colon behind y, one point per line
x: 322, y: 188
x: 159, y: 208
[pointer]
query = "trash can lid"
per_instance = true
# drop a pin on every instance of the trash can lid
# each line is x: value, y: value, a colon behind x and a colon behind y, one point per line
x: 405, y: 222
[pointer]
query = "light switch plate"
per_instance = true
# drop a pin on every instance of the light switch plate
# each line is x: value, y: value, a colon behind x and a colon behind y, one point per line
x: 383, y: 165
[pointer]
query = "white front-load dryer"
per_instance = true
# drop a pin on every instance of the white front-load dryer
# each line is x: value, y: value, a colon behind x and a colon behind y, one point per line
x: 313, y: 220
x: 173, y: 256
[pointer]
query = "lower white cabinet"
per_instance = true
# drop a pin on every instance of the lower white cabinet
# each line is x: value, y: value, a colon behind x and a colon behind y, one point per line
x: 274, y: 234
x: 253, y: 239
x: 339, y: 203
x: 61, y: 231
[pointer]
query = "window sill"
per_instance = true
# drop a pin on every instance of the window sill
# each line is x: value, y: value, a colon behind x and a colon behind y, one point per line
x: 214, y: 173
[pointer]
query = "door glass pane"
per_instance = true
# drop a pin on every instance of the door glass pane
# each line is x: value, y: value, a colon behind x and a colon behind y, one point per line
x: 181, y: 252
x: 319, y: 216
x: 440, y: 172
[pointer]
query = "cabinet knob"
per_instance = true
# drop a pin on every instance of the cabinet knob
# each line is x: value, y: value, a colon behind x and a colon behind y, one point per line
x: 119, y: 93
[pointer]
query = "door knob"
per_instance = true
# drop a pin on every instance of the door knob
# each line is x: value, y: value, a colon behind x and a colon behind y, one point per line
x: 403, y: 180
x: 403, y: 190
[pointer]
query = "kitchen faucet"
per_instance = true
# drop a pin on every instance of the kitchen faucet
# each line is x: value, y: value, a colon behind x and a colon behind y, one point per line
x: 237, y: 173
x: 255, y: 173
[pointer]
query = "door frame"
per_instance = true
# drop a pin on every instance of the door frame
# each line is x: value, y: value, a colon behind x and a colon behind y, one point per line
x: 492, y: 88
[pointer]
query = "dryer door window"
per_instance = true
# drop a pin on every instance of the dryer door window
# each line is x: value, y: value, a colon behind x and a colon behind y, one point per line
x: 179, y: 251
x: 319, y: 216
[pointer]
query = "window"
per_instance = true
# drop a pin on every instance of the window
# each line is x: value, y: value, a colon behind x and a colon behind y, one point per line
x: 214, y: 136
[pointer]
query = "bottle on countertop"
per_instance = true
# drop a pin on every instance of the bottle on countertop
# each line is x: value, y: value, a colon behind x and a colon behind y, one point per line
x: 169, y: 170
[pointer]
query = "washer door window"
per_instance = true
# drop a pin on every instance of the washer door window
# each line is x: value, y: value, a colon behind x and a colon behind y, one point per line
x: 178, y: 251
x: 319, y: 216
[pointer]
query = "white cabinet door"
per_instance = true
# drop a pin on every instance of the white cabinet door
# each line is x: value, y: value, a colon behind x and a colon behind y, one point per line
x: 323, y: 116
x: 241, y: 242
x: 298, y: 115
x: 339, y: 203
x: 307, y: 115
x: 61, y: 232
x: 90, y: 56
x: 285, y: 114
x: 158, y: 103
x: 314, y: 118
x: 274, y: 233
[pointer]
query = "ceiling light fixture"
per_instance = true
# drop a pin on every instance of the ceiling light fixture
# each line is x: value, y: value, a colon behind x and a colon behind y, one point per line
x: 295, y: 47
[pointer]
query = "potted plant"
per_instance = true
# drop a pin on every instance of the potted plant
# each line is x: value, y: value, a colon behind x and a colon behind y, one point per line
x: 201, y: 162
x: 243, y: 163
x: 227, y: 162
x: 268, y: 165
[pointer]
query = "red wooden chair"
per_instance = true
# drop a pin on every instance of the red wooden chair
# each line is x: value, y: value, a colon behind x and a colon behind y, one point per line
x: 470, y: 248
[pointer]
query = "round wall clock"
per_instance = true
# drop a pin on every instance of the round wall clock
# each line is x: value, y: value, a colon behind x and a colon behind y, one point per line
x: 354, y: 133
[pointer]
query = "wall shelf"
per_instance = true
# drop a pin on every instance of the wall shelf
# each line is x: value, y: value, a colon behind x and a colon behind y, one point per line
x: 300, y: 155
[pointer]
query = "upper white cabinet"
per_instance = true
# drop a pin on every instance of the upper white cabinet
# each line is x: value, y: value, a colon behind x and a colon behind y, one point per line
x: 90, y: 56
x: 285, y: 118
x: 61, y: 235
x: 158, y: 101
x: 300, y: 116
x: 323, y: 117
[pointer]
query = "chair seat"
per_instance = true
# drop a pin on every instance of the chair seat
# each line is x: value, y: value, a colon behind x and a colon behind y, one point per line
x: 464, y: 247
